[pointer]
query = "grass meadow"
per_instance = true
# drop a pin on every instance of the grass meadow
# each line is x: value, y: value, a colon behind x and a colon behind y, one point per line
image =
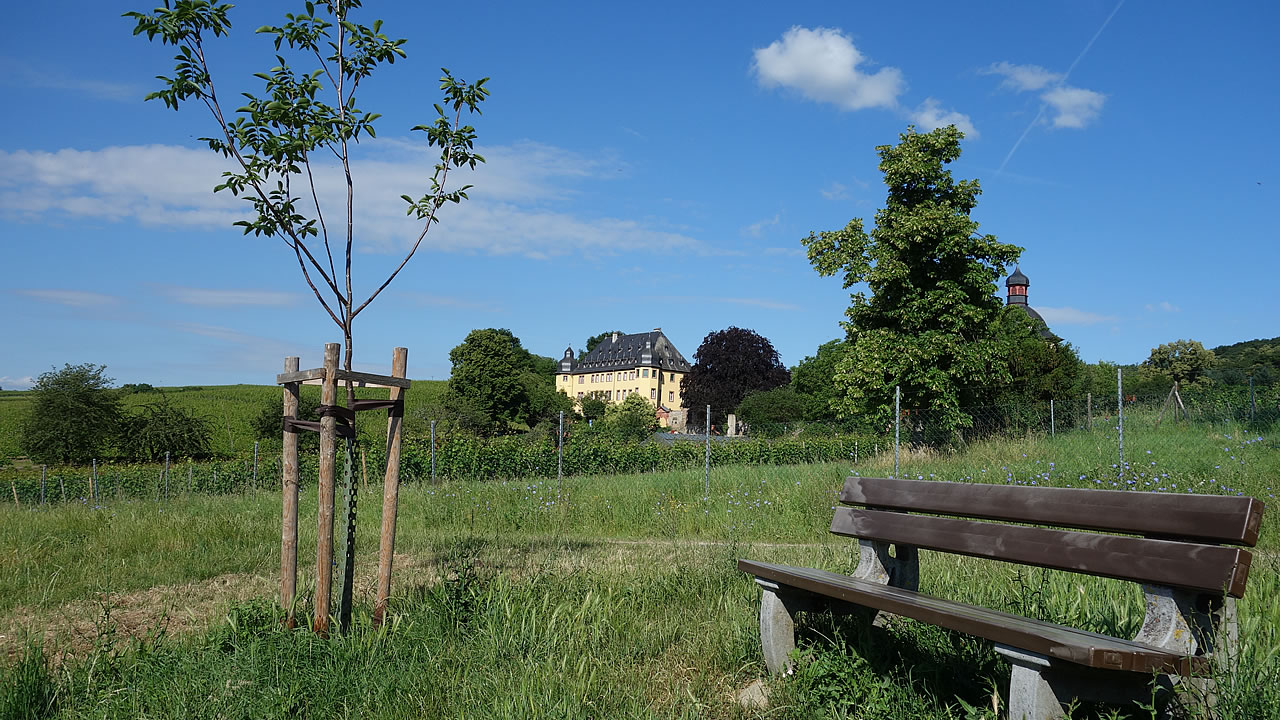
x: 608, y: 596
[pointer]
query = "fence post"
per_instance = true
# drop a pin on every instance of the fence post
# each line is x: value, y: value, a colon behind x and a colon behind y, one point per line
x: 1120, y: 415
x: 433, y: 452
x: 188, y: 477
x: 44, y: 471
x: 325, y: 493
x: 289, y: 497
x: 1052, y: 423
x: 706, y: 465
x: 1253, y: 406
x: 255, y: 464
x: 166, y: 475
x: 93, y: 482
x: 560, y: 457
x: 62, y: 484
x: 897, y: 424
x: 390, y: 487
x: 1088, y: 410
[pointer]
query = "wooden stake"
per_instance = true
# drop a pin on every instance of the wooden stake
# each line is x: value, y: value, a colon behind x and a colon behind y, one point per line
x: 324, y: 521
x: 14, y: 486
x: 390, y: 489
x: 289, y: 486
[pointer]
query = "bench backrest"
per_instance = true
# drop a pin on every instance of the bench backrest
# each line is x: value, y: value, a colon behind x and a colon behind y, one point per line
x: 1179, y: 540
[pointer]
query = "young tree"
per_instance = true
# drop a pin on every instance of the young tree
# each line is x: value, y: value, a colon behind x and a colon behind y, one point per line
x: 279, y: 140
x: 729, y: 364
x: 74, y: 415
x: 927, y: 324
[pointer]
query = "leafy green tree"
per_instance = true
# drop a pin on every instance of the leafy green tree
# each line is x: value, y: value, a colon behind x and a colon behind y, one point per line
x: 1182, y: 361
x: 927, y: 324
x: 593, y: 406
x: 728, y: 365
x: 1040, y: 368
x: 160, y: 427
x: 268, y: 424
x: 815, y: 378
x: 280, y: 139
x: 631, y: 420
x: 766, y: 412
x: 74, y: 415
x: 500, y: 378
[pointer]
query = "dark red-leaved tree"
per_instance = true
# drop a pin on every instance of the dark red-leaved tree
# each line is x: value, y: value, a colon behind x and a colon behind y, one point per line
x: 729, y: 364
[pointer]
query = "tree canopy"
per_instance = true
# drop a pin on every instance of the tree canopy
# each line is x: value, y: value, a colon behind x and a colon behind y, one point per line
x: 1182, y: 361
x: 728, y: 365
x: 500, y: 378
x: 927, y: 324
x: 74, y: 415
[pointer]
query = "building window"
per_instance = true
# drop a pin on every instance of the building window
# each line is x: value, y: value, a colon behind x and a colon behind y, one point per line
x: 608, y: 377
x: 644, y: 372
x: 671, y: 396
x: 653, y: 394
x: 608, y: 394
x: 579, y: 394
x: 580, y: 378
x: 564, y: 378
x: 671, y: 377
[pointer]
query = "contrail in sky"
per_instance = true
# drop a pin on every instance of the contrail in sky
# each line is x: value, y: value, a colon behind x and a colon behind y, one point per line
x: 1062, y: 81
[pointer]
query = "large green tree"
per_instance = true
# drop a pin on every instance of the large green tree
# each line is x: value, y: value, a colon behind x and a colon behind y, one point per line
x: 1182, y: 361
x: 302, y: 126
x: 814, y: 379
x: 926, y: 324
x: 74, y: 415
x: 500, y: 378
x: 728, y: 365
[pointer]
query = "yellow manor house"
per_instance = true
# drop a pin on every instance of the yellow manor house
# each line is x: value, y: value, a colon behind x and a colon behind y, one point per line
x: 622, y: 365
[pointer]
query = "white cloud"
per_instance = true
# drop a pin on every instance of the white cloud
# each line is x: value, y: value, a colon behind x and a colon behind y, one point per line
x: 1071, y: 107
x: 1075, y: 107
x: 822, y: 64
x: 1163, y: 306
x: 70, y: 298
x: 23, y: 74
x: 930, y: 116
x: 516, y: 206
x: 756, y: 229
x: 836, y: 191
x: 206, y: 297
x: 1022, y: 77
x: 1071, y: 316
x: 13, y: 383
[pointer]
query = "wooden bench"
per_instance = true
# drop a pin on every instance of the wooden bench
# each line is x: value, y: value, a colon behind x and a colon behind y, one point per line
x: 1178, y: 547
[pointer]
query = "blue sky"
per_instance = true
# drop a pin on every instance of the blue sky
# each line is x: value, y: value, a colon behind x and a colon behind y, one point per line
x: 649, y: 166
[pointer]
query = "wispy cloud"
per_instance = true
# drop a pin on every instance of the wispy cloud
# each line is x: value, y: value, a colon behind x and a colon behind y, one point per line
x: 835, y: 191
x: 822, y: 65
x: 1071, y: 316
x: 70, y: 298
x: 421, y: 299
x: 206, y: 297
x: 786, y: 251
x: 1075, y: 107
x: 931, y: 116
x: 17, y: 383
x: 1163, y: 306
x: 522, y: 202
x: 756, y: 229
x: 17, y: 73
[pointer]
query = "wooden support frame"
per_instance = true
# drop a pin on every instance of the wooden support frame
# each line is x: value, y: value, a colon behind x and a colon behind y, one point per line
x: 328, y: 378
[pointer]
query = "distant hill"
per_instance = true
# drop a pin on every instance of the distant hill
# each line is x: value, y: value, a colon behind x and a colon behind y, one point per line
x: 1257, y: 358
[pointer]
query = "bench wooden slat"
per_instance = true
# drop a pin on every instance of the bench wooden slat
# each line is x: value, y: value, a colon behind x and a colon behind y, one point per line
x: 1211, y: 568
x: 1049, y: 639
x: 1214, y: 518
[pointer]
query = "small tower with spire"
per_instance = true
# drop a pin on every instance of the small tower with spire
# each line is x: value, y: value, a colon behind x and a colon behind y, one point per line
x: 1016, y: 285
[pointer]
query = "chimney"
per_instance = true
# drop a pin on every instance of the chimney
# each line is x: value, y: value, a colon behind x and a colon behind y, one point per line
x: 615, y: 337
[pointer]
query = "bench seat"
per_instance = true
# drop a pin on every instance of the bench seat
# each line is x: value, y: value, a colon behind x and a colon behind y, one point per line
x: 1045, y: 638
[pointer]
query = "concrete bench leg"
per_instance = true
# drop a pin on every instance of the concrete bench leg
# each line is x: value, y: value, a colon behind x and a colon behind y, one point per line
x: 778, y: 610
x: 1031, y: 697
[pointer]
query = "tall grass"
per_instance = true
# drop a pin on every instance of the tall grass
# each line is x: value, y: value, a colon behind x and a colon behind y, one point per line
x: 609, y: 596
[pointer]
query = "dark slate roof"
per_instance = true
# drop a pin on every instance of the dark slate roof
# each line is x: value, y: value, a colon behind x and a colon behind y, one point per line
x: 1017, y: 278
x: 1045, y: 332
x: 649, y: 349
